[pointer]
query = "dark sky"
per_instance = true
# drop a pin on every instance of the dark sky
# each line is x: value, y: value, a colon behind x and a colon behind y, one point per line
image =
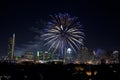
x: 100, y: 19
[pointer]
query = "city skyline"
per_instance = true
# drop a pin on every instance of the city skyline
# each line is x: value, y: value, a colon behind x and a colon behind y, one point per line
x: 99, y: 19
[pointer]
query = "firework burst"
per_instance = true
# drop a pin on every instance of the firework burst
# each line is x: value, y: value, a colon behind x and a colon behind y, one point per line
x: 63, y: 32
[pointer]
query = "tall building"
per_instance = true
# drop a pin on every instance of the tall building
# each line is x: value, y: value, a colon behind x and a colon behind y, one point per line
x: 11, y: 45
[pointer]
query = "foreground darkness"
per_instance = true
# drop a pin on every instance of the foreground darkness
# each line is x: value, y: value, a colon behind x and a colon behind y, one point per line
x: 52, y: 71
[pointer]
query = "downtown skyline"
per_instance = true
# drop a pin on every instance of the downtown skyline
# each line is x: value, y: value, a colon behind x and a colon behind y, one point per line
x: 100, y: 20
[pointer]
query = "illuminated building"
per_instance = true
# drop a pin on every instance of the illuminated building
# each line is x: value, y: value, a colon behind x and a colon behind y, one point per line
x: 28, y: 55
x: 11, y: 45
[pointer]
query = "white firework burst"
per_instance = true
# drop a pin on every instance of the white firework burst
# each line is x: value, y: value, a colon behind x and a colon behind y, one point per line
x: 63, y: 32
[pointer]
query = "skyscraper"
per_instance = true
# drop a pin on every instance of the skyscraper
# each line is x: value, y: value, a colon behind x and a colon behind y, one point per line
x: 11, y: 45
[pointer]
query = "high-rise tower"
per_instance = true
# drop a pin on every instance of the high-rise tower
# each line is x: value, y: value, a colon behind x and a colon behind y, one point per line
x: 11, y: 45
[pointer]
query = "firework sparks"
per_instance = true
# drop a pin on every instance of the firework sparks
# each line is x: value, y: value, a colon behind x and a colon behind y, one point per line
x: 63, y: 32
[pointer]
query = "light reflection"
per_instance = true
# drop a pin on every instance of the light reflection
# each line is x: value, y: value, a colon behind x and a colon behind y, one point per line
x: 89, y: 73
x: 79, y: 68
x: 114, y: 71
x: 89, y: 62
x: 95, y: 72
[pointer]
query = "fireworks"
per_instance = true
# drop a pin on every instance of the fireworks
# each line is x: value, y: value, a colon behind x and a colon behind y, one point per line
x: 63, y: 32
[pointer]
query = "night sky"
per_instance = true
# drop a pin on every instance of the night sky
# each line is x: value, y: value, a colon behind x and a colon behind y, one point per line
x: 100, y: 19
